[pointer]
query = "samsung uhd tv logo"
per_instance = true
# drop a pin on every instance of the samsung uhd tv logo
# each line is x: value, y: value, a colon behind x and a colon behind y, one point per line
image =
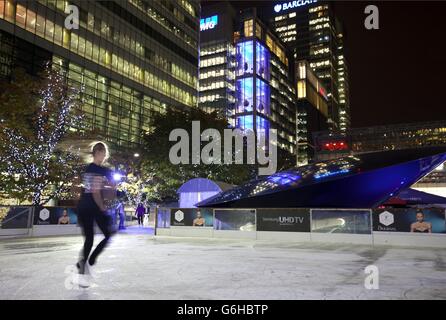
x: 292, y: 4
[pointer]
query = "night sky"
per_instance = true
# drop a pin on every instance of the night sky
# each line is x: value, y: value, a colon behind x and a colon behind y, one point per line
x: 397, y: 73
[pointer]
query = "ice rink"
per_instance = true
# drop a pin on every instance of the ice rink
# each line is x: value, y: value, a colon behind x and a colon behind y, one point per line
x: 138, y: 266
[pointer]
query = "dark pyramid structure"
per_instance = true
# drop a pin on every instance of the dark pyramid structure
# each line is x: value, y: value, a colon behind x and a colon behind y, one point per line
x: 360, y: 181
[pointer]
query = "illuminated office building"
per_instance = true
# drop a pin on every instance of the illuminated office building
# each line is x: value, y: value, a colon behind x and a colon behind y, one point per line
x: 217, y: 59
x: 354, y: 141
x: 129, y: 58
x: 312, y: 110
x: 313, y: 33
x: 244, y: 70
x: 265, y: 95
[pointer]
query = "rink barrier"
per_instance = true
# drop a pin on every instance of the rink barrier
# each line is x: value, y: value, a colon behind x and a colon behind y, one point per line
x: 31, y: 221
x: 17, y: 222
x: 319, y: 225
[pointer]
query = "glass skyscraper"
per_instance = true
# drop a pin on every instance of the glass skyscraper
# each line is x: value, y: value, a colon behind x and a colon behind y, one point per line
x: 266, y: 98
x: 312, y: 110
x: 245, y: 73
x: 217, y: 59
x: 313, y: 32
x: 129, y: 58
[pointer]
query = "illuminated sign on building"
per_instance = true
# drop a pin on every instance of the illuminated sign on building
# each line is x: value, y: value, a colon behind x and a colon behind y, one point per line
x: 208, y: 23
x: 292, y: 4
x: 323, y: 92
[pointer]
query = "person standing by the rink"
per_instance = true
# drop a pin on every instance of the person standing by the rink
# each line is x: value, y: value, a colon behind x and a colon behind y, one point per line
x: 121, y: 213
x: 92, y: 208
x: 140, y: 211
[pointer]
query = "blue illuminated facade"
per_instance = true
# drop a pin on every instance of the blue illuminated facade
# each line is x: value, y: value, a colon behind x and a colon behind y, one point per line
x: 245, y: 75
x: 265, y: 95
x: 362, y: 181
x: 252, y: 108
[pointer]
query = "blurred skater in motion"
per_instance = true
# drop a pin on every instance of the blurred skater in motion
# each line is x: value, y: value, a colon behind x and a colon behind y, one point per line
x: 140, y: 211
x: 96, y: 180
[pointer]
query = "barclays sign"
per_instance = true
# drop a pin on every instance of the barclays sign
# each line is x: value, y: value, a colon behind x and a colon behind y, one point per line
x: 292, y: 4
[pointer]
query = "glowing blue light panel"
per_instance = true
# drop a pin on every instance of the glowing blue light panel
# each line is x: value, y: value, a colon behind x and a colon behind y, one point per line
x: 330, y: 173
x: 245, y: 95
x: 284, y: 178
x: 262, y: 61
x: 245, y: 58
x: 245, y: 122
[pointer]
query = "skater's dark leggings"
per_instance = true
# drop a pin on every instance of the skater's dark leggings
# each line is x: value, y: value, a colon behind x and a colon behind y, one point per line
x: 140, y: 219
x: 87, y: 217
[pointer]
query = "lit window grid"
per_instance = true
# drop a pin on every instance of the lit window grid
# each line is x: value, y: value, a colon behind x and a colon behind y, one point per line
x: 59, y: 35
x: 121, y: 112
x: 165, y: 23
x: 128, y: 42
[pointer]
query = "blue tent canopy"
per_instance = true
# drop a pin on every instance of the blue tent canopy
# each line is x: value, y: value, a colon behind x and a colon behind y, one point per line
x: 200, y: 189
x: 204, y: 185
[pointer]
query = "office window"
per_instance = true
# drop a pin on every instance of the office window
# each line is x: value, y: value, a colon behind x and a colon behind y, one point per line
x: 20, y: 16
x: 2, y: 8
x: 248, y: 28
x: 245, y: 58
x: 76, y: 76
x: 61, y: 5
x: 258, y: 31
x: 89, y: 20
x: 301, y: 89
x: 105, y: 29
x: 96, y: 54
x: 245, y: 92
x: 40, y: 26
x: 262, y: 61
x: 262, y: 126
x: 103, y: 56
x: 269, y: 42
x: 262, y: 97
x: 245, y: 122
x: 58, y: 34
x: 9, y: 10
x: 31, y: 21
x: 82, y: 48
x: 49, y: 30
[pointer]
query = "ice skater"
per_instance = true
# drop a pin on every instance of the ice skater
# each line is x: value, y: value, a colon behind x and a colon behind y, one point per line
x: 92, y: 208
x: 140, y: 211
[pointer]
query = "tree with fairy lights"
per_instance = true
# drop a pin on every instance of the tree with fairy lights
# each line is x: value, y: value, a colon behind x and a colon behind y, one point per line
x: 36, y: 114
x: 137, y: 190
x: 135, y: 185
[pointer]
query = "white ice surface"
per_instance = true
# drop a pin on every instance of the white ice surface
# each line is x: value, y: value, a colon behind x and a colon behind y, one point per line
x: 138, y: 266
